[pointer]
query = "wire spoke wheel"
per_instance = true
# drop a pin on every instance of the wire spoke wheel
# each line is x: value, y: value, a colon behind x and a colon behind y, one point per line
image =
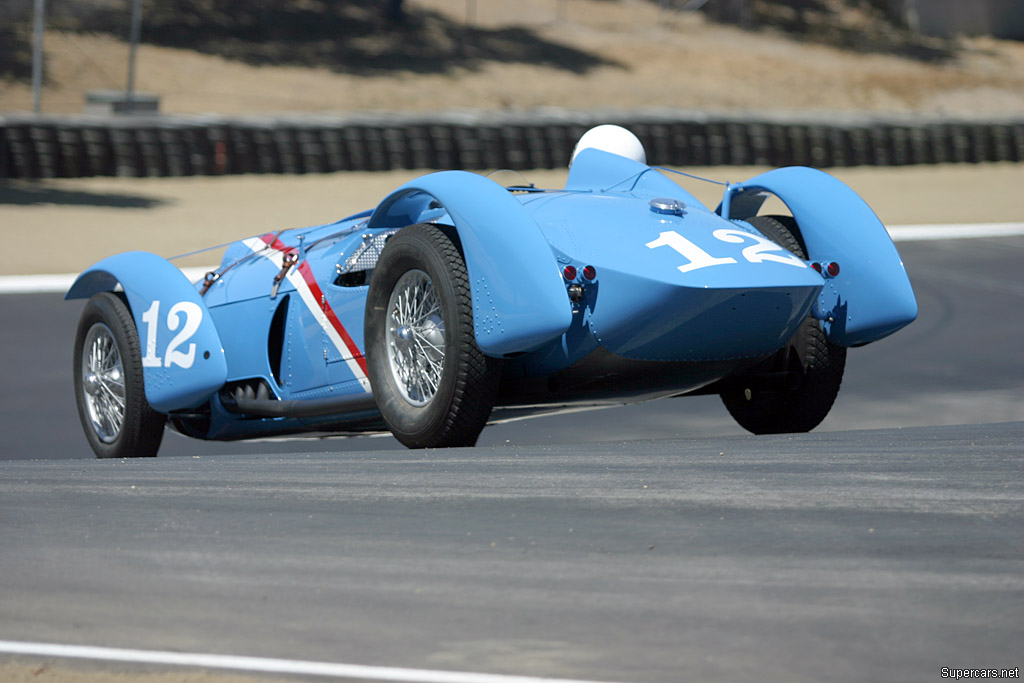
x: 415, y: 338
x: 109, y: 384
x: 103, y: 381
x: 433, y: 385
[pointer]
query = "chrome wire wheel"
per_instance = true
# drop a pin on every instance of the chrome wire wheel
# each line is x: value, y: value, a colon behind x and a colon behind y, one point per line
x: 415, y: 337
x: 433, y: 385
x: 103, y: 383
x: 110, y: 388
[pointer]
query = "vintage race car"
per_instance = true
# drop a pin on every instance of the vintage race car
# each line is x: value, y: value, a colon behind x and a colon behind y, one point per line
x: 456, y: 299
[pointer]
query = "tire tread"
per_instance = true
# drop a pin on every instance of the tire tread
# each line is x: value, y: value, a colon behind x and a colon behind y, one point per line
x: 143, y: 428
x: 477, y: 375
x: 803, y: 407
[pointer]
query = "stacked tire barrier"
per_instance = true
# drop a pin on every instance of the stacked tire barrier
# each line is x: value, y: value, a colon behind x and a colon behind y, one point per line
x: 76, y: 146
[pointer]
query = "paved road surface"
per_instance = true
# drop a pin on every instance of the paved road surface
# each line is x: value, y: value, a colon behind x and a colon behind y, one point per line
x: 565, y: 546
x: 849, y: 556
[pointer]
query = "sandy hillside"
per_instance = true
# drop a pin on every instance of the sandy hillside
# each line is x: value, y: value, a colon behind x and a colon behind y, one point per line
x: 613, y: 55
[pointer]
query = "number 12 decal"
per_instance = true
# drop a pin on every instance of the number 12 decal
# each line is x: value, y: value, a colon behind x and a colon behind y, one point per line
x: 172, y: 356
x: 759, y: 252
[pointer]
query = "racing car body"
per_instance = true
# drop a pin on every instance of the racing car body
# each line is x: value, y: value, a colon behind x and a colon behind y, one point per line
x: 456, y: 298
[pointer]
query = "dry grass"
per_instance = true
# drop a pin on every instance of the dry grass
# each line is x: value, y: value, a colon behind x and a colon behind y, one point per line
x: 642, y: 57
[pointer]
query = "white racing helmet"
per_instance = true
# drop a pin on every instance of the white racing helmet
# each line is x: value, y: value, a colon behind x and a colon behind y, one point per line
x: 614, y: 139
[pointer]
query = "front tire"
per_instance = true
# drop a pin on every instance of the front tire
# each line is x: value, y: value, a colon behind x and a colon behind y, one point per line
x: 432, y: 383
x: 814, y: 364
x: 109, y: 389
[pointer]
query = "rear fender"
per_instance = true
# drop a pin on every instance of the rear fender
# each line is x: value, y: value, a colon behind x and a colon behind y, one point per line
x: 183, y: 358
x: 519, y: 300
x: 871, y: 297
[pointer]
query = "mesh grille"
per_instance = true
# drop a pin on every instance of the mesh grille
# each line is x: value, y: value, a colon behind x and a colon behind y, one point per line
x: 366, y: 254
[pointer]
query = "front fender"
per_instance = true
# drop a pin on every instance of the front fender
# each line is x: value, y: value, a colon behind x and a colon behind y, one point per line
x: 519, y: 301
x: 872, y: 296
x: 183, y: 358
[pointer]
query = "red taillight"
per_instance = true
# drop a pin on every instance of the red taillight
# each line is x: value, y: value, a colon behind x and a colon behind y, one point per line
x: 589, y: 272
x: 816, y: 266
x: 569, y: 273
x: 833, y: 269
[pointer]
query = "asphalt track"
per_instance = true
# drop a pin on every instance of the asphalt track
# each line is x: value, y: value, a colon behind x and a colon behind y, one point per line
x: 959, y: 363
x: 646, y: 543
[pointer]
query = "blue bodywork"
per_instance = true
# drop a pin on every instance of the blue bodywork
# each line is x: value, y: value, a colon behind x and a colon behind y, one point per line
x: 871, y: 297
x: 194, y: 368
x: 518, y: 295
x: 678, y: 295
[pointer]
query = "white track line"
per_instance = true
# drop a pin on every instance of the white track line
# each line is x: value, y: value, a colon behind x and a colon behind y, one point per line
x: 39, y: 284
x: 910, y: 233
x: 264, y: 664
x: 43, y: 284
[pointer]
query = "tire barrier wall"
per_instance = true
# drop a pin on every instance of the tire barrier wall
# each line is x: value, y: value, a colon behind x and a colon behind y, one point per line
x: 65, y: 147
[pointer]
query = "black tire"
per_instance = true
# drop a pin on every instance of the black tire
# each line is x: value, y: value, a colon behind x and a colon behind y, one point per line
x: 99, y: 379
x: 427, y: 407
x: 815, y: 364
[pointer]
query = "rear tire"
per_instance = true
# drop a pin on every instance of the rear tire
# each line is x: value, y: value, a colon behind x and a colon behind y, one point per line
x: 818, y: 364
x: 432, y: 383
x: 109, y: 389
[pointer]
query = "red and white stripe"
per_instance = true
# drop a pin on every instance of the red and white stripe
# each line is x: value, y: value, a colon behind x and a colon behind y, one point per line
x: 301, y: 277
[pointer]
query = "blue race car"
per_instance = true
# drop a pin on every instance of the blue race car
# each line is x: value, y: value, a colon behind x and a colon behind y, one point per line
x: 456, y: 299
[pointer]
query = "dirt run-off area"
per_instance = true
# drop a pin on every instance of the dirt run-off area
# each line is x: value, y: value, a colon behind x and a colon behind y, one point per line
x: 573, y: 54
x: 74, y: 222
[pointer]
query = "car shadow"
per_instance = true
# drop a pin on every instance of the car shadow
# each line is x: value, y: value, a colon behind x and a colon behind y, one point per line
x: 20, y: 193
x: 357, y: 36
x: 866, y: 27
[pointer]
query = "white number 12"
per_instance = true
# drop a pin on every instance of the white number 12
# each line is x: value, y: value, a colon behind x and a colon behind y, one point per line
x: 759, y: 252
x: 172, y: 356
x: 697, y: 257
